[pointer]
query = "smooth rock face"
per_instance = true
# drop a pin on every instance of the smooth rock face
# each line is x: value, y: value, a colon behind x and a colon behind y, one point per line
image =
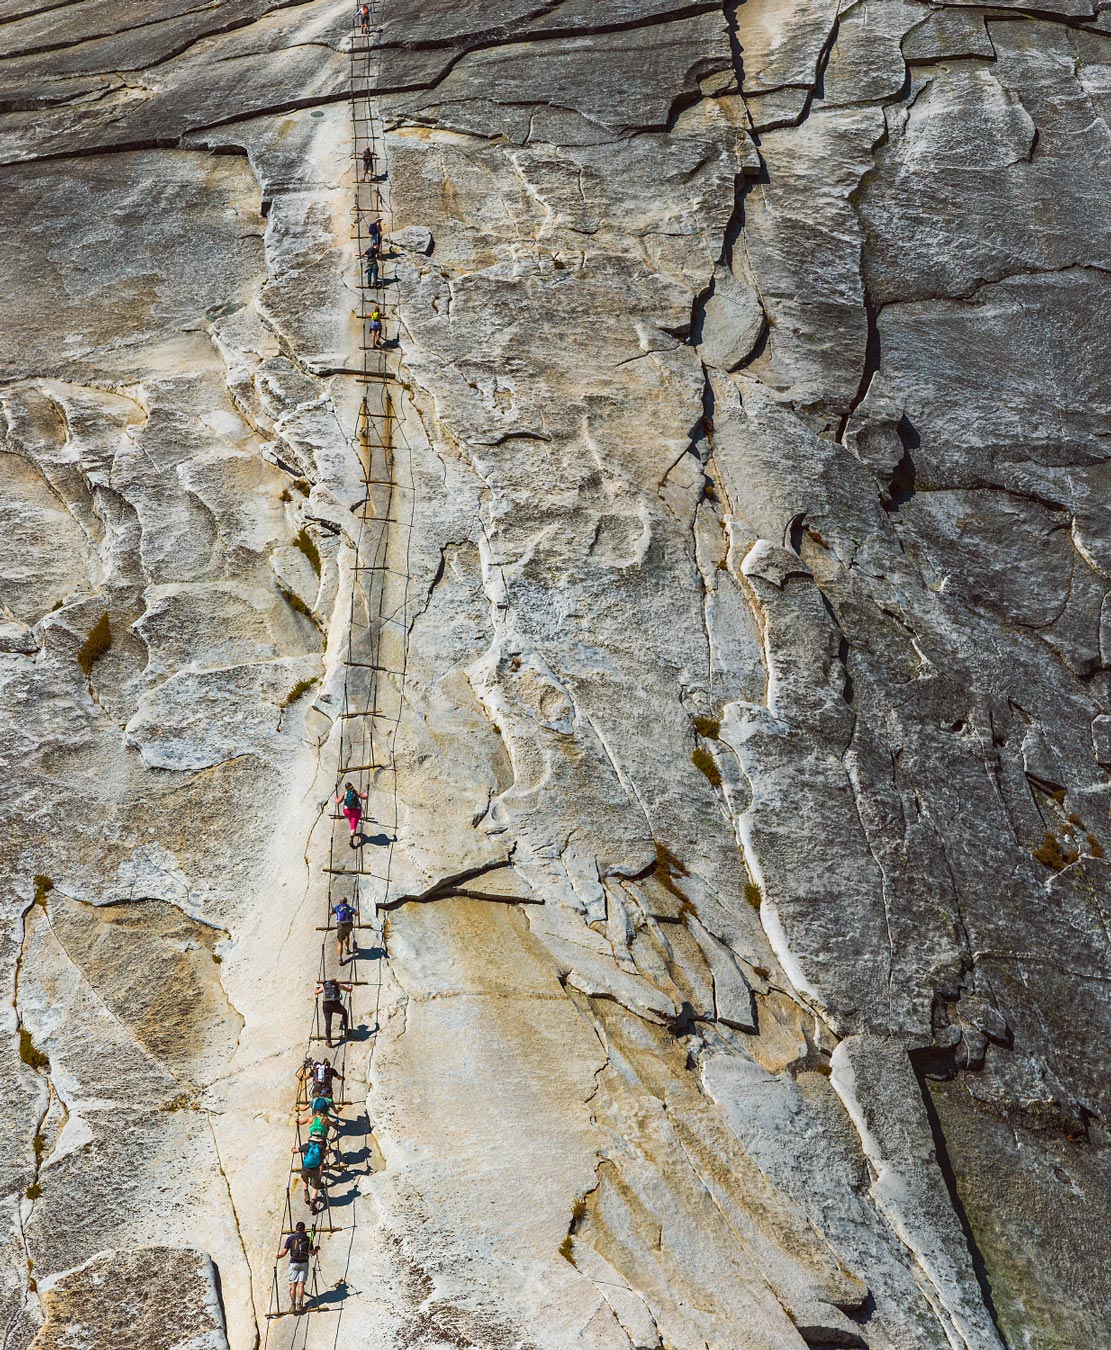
x: 745, y: 952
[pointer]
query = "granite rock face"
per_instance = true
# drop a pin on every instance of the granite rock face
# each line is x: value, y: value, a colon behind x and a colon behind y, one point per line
x: 745, y: 954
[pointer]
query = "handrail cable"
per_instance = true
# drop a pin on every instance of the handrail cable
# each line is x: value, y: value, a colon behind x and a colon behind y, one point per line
x: 361, y: 737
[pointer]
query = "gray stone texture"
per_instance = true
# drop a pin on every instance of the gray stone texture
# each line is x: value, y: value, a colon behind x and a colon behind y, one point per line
x: 747, y: 924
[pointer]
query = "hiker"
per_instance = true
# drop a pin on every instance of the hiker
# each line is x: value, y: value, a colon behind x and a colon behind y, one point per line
x: 374, y: 231
x: 321, y: 1076
x: 352, y: 800
x: 319, y: 1125
x: 324, y: 1108
x: 345, y: 919
x: 364, y: 18
x: 368, y: 162
x: 299, y: 1246
x: 333, y: 1006
x: 375, y: 329
x: 371, y: 256
x: 312, y: 1163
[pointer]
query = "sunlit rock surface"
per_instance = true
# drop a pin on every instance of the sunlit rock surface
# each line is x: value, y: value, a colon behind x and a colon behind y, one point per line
x: 746, y: 952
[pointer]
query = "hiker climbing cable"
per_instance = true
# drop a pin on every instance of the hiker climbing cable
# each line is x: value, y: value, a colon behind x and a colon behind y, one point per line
x: 321, y: 1076
x: 321, y: 1123
x: 312, y: 1163
x: 352, y: 805
x: 363, y: 13
x: 368, y: 162
x: 374, y: 231
x: 299, y: 1247
x: 322, y: 1106
x: 333, y: 1006
x: 344, y: 916
x: 371, y: 256
x: 375, y: 328
x: 305, y: 1079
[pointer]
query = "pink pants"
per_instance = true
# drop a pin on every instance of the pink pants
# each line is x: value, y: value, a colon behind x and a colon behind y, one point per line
x: 353, y: 814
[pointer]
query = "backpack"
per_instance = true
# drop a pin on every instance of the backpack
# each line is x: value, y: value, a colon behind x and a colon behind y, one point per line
x: 343, y: 912
x: 321, y: 1076
x: 299, y: 1247
x: 331, y: 991
x: 319, y: 1130
x: 313, y: 1154
x: 351, y: 799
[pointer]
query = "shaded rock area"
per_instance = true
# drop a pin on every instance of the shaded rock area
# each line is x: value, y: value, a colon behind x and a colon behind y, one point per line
x: 162, y: 1298
x: 744, y: 981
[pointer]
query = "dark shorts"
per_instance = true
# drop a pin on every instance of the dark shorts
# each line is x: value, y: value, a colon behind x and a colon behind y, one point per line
x: 311, y: 1177
x: 343, y: 931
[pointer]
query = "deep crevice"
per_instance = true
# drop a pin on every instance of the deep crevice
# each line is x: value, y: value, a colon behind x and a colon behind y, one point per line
x: 945, y: 1165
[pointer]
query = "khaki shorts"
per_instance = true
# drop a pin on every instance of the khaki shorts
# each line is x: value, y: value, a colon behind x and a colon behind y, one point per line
x: 298, y: 1272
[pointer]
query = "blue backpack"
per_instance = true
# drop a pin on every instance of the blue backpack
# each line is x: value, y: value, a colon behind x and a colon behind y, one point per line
x: 343, y: 912
x: 313, y: 1156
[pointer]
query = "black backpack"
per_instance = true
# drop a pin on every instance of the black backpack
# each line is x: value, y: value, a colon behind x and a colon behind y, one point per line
x: 299, y: 1247
x: 331, y: 991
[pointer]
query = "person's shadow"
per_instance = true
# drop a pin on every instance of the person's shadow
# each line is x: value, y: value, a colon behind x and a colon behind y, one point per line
x: 378, y: 840
x: 356, y: 1128
x: 331, y: 1297
x: 360, y: 1157
x: 336, y: 1202
x: 361, y: 1033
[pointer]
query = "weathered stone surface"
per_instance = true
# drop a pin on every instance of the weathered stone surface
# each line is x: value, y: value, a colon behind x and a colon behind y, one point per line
x: 745, y: 963
x: 161, y: 1298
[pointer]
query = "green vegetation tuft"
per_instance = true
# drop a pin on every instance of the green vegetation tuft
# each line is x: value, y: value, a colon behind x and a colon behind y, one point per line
x: 43, y: 886
x: 30, y: 1054
x: 754, y: 896
x: 307, y: 545
x: 32, y: 1193
x: 299, y: 690
x: 39, y: 1145
x: 184, y: 1101
x: 1050, y: 854
x: 710, y: 727
x: 96, y: 644
x: 706, y: 764
x: 1095, y: 848
x: 296, y: 603
x: 578, y: 1213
